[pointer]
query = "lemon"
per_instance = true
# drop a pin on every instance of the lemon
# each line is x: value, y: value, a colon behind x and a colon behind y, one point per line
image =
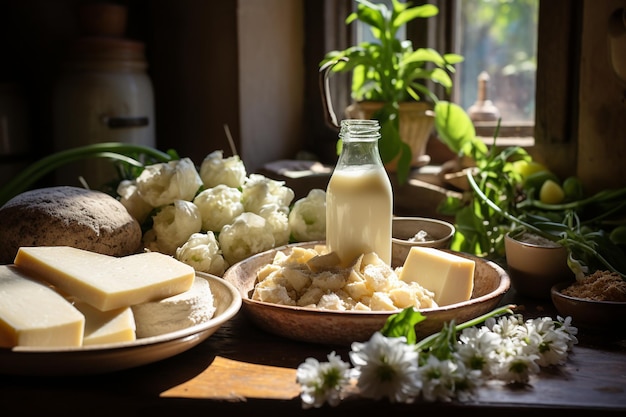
x: 551, y: 192
x: 527, y: 168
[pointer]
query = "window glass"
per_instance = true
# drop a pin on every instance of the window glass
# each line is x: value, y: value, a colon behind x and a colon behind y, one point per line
x: 499, y: 37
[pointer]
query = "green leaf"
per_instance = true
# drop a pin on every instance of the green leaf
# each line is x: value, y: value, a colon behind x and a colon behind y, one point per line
x: 454, y: 126
x: 424, y: 55
x: 404, y: 163
x: 406, y: 15
x: 370, y: 14
x: 390, y: 142
x: 403, y: 324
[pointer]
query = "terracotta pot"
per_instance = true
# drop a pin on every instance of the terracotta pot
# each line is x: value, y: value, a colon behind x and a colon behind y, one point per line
x: 417, y: 121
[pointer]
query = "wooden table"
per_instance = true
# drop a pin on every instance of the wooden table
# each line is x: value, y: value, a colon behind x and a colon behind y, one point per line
x: 241, y: 370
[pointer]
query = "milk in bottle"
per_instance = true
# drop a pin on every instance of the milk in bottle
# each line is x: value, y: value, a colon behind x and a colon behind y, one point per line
x: 359, y: 198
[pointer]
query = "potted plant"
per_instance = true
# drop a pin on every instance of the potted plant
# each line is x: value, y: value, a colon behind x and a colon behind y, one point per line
x: 389, y: 75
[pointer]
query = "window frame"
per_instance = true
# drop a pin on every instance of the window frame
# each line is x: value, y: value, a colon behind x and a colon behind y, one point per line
x: 558, y: 53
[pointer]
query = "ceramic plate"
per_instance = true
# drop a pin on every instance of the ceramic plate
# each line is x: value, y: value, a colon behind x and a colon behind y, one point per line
x: 117, y: 356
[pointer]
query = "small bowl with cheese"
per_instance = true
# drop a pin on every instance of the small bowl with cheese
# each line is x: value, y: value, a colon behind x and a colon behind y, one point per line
x: 407, y: 232
x: 299, y: 291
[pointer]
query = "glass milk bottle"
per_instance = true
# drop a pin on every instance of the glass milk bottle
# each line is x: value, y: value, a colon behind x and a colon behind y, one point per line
x: 359, y: 198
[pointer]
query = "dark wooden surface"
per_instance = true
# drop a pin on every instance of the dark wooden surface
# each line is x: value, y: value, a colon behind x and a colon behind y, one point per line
x: 243, y: 370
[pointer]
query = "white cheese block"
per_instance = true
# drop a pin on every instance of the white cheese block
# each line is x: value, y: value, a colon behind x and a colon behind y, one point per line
x: 180, y: 311
x: 117, y: 325
x: 33, y: 314
x: 107, y: 282
x: 449, y: 276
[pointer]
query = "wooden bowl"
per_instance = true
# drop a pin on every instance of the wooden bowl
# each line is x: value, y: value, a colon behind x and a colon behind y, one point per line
x: 586, y: 313
x: 491, y: 282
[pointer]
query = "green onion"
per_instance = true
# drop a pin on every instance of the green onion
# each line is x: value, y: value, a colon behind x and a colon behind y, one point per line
x: 116, y: 151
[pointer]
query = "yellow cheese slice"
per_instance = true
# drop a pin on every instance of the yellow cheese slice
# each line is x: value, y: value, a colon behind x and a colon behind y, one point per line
x: 449, y: 276
x: 107, y: 282
x: 117, y: 325
x: 33, y: 314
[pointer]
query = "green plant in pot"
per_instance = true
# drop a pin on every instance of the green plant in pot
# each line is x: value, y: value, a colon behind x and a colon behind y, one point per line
x: 388, y: 75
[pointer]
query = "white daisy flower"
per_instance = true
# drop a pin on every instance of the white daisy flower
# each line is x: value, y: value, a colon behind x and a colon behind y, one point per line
x: 322, y: 382
x: 386, y: 367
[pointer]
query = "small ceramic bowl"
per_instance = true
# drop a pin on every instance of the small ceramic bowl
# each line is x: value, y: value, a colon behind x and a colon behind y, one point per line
x: 407, y: 232
x: 535, y: 267
x: 333, y: 327
x: 586, y: 313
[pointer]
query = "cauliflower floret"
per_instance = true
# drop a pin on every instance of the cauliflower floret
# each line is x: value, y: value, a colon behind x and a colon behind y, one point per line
x: 307, y: 219
x: 218, y: 206
x: 173, y: 225
x: 202, y: 252
x: 278, y: 222
x: 216, y: 170
x: 259, y: 191
x: 162, y: 184
x: 248, y: 235
x: 130, y: 198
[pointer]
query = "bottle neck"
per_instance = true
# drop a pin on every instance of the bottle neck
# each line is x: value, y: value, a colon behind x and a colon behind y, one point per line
x: 359, y: 143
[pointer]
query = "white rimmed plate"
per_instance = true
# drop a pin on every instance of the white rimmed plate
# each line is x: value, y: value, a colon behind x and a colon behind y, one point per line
x: 96, y: 359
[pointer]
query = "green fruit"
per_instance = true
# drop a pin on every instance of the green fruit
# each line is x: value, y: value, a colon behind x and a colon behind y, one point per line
x: 573, y: 188
x: 551, y: 192
x: 535, y: 181
x: 618, y: 235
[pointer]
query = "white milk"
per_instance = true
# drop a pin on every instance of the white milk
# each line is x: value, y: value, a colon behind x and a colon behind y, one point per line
x: 359, y: 206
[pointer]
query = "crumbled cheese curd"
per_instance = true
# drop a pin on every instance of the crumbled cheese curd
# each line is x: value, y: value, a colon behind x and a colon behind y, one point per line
x: 312, y: 277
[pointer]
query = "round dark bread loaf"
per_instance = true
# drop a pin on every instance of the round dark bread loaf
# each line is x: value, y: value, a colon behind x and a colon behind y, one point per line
x: 67, y: 216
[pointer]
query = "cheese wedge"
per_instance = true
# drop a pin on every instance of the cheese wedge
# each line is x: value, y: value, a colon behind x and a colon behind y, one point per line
x: 33, y: 314
x: 107, y: 282
x: 449, y: 276
x: 117, y: 325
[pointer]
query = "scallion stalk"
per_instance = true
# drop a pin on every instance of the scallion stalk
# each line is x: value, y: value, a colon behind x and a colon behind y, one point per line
x: 110, y: 150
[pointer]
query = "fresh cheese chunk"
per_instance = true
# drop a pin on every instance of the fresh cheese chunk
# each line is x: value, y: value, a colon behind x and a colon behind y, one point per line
x: 180, y: 311
x: 117, y: 325
x: 449, y: 276
x: 107, y: 282
x: 33, y: 314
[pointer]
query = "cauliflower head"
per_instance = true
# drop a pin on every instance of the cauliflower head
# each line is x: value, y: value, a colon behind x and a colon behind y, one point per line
x: 218, y: 206
x: 130, y: 198
x: 202, y: 252
x: 163, y: 183
x: 259, y: 191
x: 215, y: 170
x: 248, y: 235
x: 173, y: 225
x: 307, y: 219
x: 278, y: 223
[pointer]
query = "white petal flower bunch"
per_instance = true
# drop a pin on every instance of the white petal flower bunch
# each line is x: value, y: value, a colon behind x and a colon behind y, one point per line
x: 216, y: 215
x: 447, y: 366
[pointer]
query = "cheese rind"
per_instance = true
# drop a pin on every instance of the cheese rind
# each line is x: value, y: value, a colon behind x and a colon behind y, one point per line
x: 107, y: 282
x: 113, y: 326
x: 449, y: 276
x: 177, y: 312
x: 33, y: 314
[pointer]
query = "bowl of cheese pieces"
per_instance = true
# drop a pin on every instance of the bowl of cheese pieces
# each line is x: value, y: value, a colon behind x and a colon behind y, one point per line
x: 299, y: 291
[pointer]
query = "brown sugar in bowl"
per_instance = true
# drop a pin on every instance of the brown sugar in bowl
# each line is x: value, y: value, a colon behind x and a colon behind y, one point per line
x: 598, y: 302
